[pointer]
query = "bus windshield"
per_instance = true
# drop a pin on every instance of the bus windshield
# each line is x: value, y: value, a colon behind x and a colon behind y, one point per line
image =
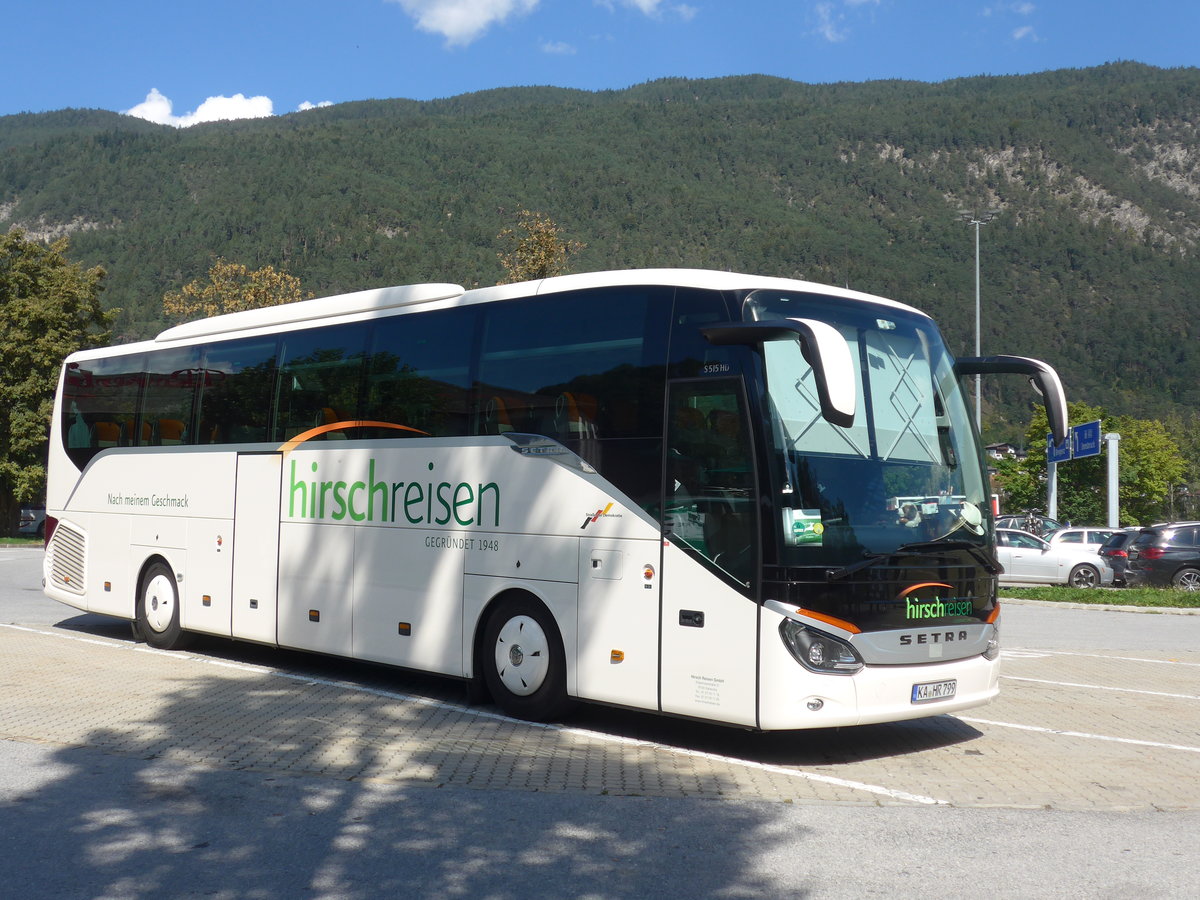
x: 907, y: 471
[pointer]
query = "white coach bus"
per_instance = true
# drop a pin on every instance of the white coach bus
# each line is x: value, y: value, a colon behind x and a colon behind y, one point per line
x: 748, y: 500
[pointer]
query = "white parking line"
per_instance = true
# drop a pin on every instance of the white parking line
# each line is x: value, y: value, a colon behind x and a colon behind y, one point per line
x: 1034, y: 654
x: 877, y: 790
x: 1102, y: 687
x: 1080, y: 734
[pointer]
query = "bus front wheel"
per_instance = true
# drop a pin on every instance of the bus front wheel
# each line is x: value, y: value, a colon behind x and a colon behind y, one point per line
x: 523, y: 661
x: 157, y: 621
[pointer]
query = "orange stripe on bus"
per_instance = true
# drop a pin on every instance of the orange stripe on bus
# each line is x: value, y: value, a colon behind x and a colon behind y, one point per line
x: 336, y: 426
x: 917, y: 587
x: 831, y: 620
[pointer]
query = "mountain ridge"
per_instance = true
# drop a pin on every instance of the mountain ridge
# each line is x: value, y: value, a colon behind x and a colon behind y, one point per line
x: 1091, y: 263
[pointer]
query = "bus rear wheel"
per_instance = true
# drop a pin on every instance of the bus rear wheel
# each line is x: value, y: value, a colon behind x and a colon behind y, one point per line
x: 157, y: 621
x: 524, y: 665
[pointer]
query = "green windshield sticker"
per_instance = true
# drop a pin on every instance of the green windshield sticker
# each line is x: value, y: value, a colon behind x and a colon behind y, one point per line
x: 803, y: 527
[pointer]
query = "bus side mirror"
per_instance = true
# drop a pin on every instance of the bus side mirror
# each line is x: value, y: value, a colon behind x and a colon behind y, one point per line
x: 824, y: 349
x: 1041, y: 375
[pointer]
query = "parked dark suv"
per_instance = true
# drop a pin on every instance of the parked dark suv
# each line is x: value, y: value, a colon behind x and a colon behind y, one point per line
x: 1166, y: 555
x: 1115, y: 552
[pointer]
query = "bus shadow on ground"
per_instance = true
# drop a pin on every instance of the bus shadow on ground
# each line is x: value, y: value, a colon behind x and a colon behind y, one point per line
x: 235, y: 782
x: 813, y: 747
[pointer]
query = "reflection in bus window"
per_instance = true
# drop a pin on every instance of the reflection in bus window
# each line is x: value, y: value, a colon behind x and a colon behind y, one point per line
x: 710, y: 477
x: 419, y: 373
x: 100, y: 405
x: 235, y: 399
x: 320, y: 372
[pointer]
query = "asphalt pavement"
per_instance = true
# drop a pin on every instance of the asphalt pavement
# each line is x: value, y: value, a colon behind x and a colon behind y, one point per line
x: 235, y: 772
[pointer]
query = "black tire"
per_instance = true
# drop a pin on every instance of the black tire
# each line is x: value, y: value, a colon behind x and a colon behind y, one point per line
x: 1187, y: 579
x: 1084, y: 576
x: 157, y: 621
x: 523, y: 662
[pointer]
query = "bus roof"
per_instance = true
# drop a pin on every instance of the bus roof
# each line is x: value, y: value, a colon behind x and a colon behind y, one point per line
x: 381, y: 301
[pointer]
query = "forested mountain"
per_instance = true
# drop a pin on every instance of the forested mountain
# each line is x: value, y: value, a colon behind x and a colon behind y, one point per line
x: 1093, y: 261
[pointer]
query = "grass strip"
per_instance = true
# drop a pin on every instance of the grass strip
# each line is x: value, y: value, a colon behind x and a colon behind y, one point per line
x: 1165, y: 598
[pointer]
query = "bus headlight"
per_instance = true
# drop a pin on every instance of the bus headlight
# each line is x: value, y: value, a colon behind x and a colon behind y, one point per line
x: 817, y: 651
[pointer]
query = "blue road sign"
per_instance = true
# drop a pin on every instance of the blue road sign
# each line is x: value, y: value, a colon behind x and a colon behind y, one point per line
x: 1085, y: 440
x: 1058, y: 453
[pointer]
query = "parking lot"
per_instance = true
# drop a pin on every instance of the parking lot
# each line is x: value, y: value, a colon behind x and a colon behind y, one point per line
x: 1074, y: 728
x: 1094, y: 747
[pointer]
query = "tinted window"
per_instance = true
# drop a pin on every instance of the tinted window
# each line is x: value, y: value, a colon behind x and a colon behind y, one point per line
x: 691, y: 353
x: 1072, y: 537
x: 235, y: 398
x: 574, y: 365
x: 1145, y: 539
x: 419, y: 374
x: 1184, y: 537
x: 710, y: 498
x: 320, y: 375
x: 586, y: 369
x: 100, y: 404
x: 168, y: 402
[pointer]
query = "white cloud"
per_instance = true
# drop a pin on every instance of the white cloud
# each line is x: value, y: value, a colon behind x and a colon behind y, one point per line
x: 829, y: 23
x: 831, y: 17
x: 1020, y: 7
x: 1025, y: 32
x: 653, y: 8
x: 306, y: 105
x: 158, y: 108
x: 558, y: 48
x: 462, y: 21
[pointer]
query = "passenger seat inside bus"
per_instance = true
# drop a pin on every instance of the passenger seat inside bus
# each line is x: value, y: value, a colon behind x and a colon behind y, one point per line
x: 170, y: 432
x: 108, y: 434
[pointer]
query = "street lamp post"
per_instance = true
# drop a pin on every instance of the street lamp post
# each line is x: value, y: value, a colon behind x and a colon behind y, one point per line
x: 977, y: 219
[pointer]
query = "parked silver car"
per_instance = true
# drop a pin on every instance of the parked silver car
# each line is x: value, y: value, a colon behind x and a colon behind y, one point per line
x: 1027, y: 559
x: 1092, y: 538
x: 32, y: 521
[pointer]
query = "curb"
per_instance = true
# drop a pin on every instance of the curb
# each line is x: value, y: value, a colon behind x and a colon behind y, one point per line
x: 1106, y: 607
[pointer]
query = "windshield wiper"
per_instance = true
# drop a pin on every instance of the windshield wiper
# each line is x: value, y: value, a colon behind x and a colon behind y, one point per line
x: 990, y: 564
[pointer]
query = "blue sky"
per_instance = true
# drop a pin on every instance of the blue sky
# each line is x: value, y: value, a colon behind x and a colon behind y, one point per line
x: 182, y: 61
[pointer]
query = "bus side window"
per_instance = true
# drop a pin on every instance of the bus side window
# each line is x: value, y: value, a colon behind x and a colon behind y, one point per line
x: 100, y: 405
x: 235, y: 399
x: 320, y: 374
x: 419, y: 373
x: 169, y: 400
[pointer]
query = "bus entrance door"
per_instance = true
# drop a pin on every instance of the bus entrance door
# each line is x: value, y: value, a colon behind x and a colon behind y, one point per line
x: 709, y: 621
x: 256, y: 543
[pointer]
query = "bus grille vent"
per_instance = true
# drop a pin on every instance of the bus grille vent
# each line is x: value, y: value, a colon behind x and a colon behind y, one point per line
x: 68, y: 556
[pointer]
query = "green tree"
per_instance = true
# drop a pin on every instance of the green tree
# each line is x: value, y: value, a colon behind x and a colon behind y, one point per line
x: 49, y: 307
x: 231, y: 287
x: 535, y: 248
x: 1150, y: 464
